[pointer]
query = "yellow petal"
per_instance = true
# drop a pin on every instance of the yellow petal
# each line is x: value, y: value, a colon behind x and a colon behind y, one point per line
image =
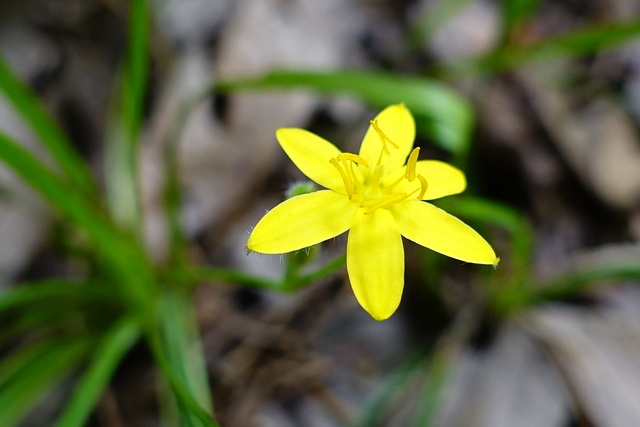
x: 302, y: 221
x: 375, y: 262
x: 397, y: 123
x: 442, y: 179
x: 435, y: 229
x: 312, y: 155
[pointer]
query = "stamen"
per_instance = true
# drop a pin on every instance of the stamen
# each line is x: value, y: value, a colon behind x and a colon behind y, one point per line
x: 383, y: 138
x: 423, y: 186
x: 383, y: 202
x: 354, y: 158
x: 411, y: 164
x: 348, y: 184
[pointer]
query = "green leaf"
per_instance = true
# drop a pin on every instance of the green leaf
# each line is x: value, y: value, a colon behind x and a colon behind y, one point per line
x: 197, y: 275
x: 126, y: 260
x: 27, y: 375
x: 122, y: 140
x: 176, y: 346
x: 587, y: 41
x: 106, y: 356
x: 505, y: 217
x: 581, y: 280
x: 440, y: 113
x: 439, y: 370
x: 392, y: 390
x: 26, y: 294
x: 189, y: 276
x: 29, y: 106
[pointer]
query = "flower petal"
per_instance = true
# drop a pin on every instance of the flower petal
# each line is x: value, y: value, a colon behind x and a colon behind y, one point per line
x: 397, y: 123
x: 442, y: 179
x: 375, y: 262
x: 435, y: 229
x: 311, y: 154
x: 302, y: 221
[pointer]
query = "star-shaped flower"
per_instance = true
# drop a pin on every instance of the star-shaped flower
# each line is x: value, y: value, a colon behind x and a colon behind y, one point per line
x: 378, y: 198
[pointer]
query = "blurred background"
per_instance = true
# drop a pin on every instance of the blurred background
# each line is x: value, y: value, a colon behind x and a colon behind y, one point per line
x: 537, y: 101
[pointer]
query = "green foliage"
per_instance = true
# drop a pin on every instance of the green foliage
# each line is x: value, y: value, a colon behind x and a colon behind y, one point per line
x: 103, y: 361
x: 582, y: 42
x: 122, y: 135
x: 31, y: 372
x: 440, y: 113
x: 92, y: 325
x: 36, y: 117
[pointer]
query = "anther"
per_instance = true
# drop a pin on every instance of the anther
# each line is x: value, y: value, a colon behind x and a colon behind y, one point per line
x: 354, y: 158
x: 423, y: 186
x: 411, y: 164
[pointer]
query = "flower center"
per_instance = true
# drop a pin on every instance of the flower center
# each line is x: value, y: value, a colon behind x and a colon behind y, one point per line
x: 365, y: 184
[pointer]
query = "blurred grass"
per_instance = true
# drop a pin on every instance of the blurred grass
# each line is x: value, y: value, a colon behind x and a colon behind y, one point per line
x: 123, y: 131
x: 106, y: 356
x: 51, y: 136
x: 582, y: 42
x: 441, y: 114
x: 124, y: 271
x: 29, y: 374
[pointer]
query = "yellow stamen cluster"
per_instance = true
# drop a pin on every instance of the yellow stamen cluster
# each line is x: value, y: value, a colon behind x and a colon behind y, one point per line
x: 364, y: 184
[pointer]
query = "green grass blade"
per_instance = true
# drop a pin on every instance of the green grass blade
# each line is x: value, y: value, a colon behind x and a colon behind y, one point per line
x: 197, y: 275
x: 392, y: 388
x: 126, y: 260
x: 430, y: 398
x: 31, y: 109
x: 321, y: 272
x: 122, y: 142
x: 191, y: 276
x: 51, y: 187
x: 16, y: 362
x: 582, y: 280
x: 135, y: 86
x: 440, y: 113
x: 582, y: 42
x: 27, y: 294
x: 32, y: 373
x: 106, y: 357
x: 172, y: 190
x: 182, y: 361
x: 505, y: 217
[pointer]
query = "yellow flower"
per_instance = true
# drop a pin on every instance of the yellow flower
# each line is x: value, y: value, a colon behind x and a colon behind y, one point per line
x: 378, y: 198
